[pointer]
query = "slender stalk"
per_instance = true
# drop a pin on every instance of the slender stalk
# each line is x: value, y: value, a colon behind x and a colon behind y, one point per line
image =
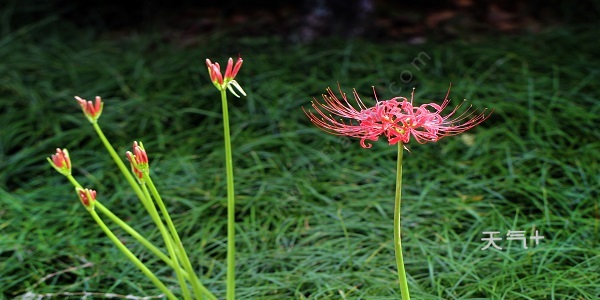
x: 199, y: 289
x: 172, y: 263
x: 136, y: 235
x: 74, y: 181
x: 397, y: 228
x: 147, y: 202
x: 230, y: 295
x: 132, y: 182
x: 144, y: 197
x: 171, y: 249
x: 132, y: 257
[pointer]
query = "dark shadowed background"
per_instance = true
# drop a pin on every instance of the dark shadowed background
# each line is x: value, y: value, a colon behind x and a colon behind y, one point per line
x: 306, y: 20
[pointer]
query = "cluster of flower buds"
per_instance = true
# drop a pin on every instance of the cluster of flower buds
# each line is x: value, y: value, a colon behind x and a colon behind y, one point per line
x: 91, y: 110
x: 138, y: 160
x: 228, y: 81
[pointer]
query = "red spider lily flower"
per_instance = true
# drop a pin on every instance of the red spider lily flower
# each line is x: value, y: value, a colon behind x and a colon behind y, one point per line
x: 138, y: 160
x: 91, y: 111
x: 214, y: 70
x: 87, y: 197
x: 397, y: 119
x: 61, y: 161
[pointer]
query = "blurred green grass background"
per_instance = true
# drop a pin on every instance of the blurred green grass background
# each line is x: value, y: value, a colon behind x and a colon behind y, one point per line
x: 314, y: 210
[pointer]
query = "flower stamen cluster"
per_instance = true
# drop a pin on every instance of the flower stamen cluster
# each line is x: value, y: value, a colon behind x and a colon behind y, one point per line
x: 397, y: 119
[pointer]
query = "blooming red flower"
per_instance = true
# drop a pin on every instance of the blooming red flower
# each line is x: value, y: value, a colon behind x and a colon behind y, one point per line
x: 214, y: 70
x: 61, y: 161
x: 397, y: 119
x: 91, y: 110
x: 87, y: 197
x: 138, y: 159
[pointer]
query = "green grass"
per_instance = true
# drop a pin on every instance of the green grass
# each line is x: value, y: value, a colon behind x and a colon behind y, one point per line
x: 314, y: 210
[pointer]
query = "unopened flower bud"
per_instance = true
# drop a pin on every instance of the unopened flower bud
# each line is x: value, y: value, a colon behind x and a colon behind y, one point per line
x: 87, y: 197
x: 61, y: 161
x: 91, y: 110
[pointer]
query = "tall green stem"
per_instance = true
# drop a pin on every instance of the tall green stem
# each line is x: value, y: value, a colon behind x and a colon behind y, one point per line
x: 132, y: 257
x: 147, y: 202
x: 132, y: 182
x: 230, y: 201
x: 169, y: 243
x: 136, y: 235
x: 99, y: 206
x: 397, y: 228
x: 199, y: 289
x: 144, y: 197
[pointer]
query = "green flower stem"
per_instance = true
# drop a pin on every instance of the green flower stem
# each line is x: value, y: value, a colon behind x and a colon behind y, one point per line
x: 137, y: 236
x: 74, y: 181
x: 99, y: 206
x: 397, y: 231
x: 173, y: 263
x: 230, y: 295
x: 199, y: 289
x: 171, y: 249
x: 132, y: 181
x: 132, y: 257
x: 146, y: 201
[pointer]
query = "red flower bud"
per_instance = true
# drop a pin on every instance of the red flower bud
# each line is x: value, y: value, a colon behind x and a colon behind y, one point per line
x: 61, y: 161
x: 227, y: 82
x: 91, y: 110
x: 87, y: 197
